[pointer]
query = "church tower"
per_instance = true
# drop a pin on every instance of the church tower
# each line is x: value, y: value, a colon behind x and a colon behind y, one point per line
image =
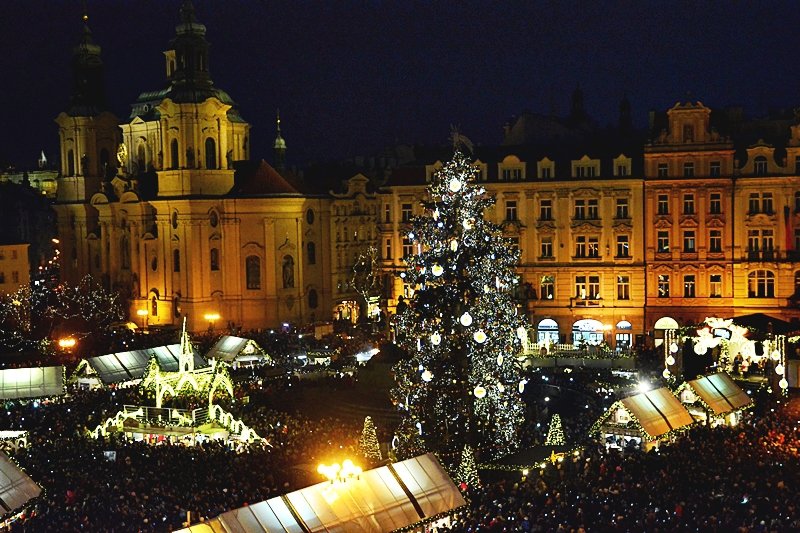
x: 88, y: 133
x: 189, y: 133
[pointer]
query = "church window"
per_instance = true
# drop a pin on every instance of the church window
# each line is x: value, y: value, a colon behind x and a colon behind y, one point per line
x: 214, y: 259
x: 173, y: 148
x: 253, y: 272
x: 70, y: 163
x: 211, y: 153
x: 311, y: 253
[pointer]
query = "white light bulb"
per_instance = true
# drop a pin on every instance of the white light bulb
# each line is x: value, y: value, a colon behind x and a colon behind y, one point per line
x: 427, y: 376
x: 521, y: 386
x: 666, y: 374
x: 776, y: 355
x: 479, y: 392
x: 437, y: 270
x: 467, y: 224
x: 466, y: 319
x: 453, y: 245
x: 673, y: 348
x: 779, y: 369
x: 783, y: 384
x: 455, y: 185
x: 501, y: 387
x: 479, y: 336
x: 436, y: 339
x: 670, y: 360
x: 500, y: 360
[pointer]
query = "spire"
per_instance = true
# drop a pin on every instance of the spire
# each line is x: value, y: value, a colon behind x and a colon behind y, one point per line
x: 187, y: 59
x: 88, y: 93
x: 279, y: 146
x: 186, y: 362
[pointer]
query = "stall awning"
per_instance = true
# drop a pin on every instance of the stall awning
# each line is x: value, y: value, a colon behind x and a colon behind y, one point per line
x: 720, y: 393
x: 381, y: 500
x: 129, y: 366
x: 31, y: 382
x: 16, y: 488
x: 228, y: 348
x: 658, y: 411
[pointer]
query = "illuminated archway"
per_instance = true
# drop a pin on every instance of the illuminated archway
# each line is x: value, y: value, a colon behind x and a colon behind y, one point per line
x: 661, y: 324
x: 588, y: 331
x: 547, y: 332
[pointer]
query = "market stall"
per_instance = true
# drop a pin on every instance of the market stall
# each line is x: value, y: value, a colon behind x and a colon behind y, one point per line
x: 715, y: 399
x: 30, y: 383
x: 412, y: 495
x: 643, y: 420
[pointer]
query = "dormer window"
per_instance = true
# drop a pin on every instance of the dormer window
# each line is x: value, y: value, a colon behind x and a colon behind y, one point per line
x: 546, y: 169
x: 622, y: 166
x: 760, y: 166
x: 585, y: 167
x: 511, y: 169
x: 688, y: 133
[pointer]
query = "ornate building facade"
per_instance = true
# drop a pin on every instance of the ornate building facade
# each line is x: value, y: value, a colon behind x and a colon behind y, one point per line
x: 621, y: 233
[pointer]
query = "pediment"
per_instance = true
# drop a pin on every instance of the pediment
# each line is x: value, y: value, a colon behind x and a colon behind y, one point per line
x: 715, y: 222
x: 663, y: 223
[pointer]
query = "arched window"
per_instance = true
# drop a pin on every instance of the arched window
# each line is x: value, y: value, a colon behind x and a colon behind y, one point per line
x: 211, y: 153
x: 125, y: 253
x: 176, y: 260
x: 253, y: 272
x: 174, y: 153
x: 154, y: 306
x: 141, y: 158
x: 214, y: 260
x: 311, y: 253
x: 70, y: 163
x: 313, y: 299
x: 761, y: 284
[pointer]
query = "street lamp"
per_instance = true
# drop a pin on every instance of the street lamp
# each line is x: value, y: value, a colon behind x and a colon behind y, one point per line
x: 143, y: 314
x: 66, y: 343
x: 211, y: 317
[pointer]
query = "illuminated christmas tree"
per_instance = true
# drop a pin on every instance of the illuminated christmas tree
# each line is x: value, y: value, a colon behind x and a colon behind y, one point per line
x: 368, y: 442
x: 555, y: 435
x: 467, y: 472
x: 460, y: 382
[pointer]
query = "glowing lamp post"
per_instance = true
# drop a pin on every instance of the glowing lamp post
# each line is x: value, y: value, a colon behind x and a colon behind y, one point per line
x: 142, y: 313
x: 341, y: 473
x: 67, y: 343
x: 212, y: 318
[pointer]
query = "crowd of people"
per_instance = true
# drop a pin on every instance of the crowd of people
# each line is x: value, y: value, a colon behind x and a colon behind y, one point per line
x: 740, y: 479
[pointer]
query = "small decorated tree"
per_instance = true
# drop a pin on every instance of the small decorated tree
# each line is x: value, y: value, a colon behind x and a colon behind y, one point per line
x: 555, y: 434
x: 467, y: 473
x: 368, y: 442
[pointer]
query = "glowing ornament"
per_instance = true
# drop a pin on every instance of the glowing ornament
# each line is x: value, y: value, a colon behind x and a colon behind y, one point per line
x: 497, y: 283
x: 500, y: 360
x: 453, y: 245
x: 466, y: 320
x: 522, y: 333
x: 670, y: 360
x: 468, y: 224
x: 455, y: 185
x: 437, y: 270
x: 666, y: 374
x: 427, y: 376
x: 436, y: 214
x: 487, y: 289
x: 776, y: 355
x: 783, y: 384
x: 700, y: 348
x: 436, y: 339
x: 479, y: 392
x: 673, y: 348
x: 521, y: 386
x: 479, y: 336
x: 501, y: 387
x: 779, y: 369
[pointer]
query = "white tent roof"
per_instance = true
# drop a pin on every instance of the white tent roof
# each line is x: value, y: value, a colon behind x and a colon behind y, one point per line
x: 381, y: 500
x: 129, y: 366
x: 720, y: 393
x: 16, y: 488
x: 658, y: 411
x: 31, y: 382
x: 230, y: 348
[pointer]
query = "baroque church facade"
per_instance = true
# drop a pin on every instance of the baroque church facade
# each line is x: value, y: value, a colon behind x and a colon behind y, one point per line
x: 166, y: 208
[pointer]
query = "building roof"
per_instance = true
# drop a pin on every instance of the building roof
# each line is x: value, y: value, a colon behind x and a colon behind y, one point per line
x: 228, y: 348
x: 720, y: 393
x: 41, y: 382
x: 380, y: 500
x: 258, y: 178
x: 16, y: 487
x: 658, y: 411
x: 129, y: 366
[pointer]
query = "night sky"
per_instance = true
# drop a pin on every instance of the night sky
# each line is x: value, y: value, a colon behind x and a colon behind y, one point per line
x: 352, y: 77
